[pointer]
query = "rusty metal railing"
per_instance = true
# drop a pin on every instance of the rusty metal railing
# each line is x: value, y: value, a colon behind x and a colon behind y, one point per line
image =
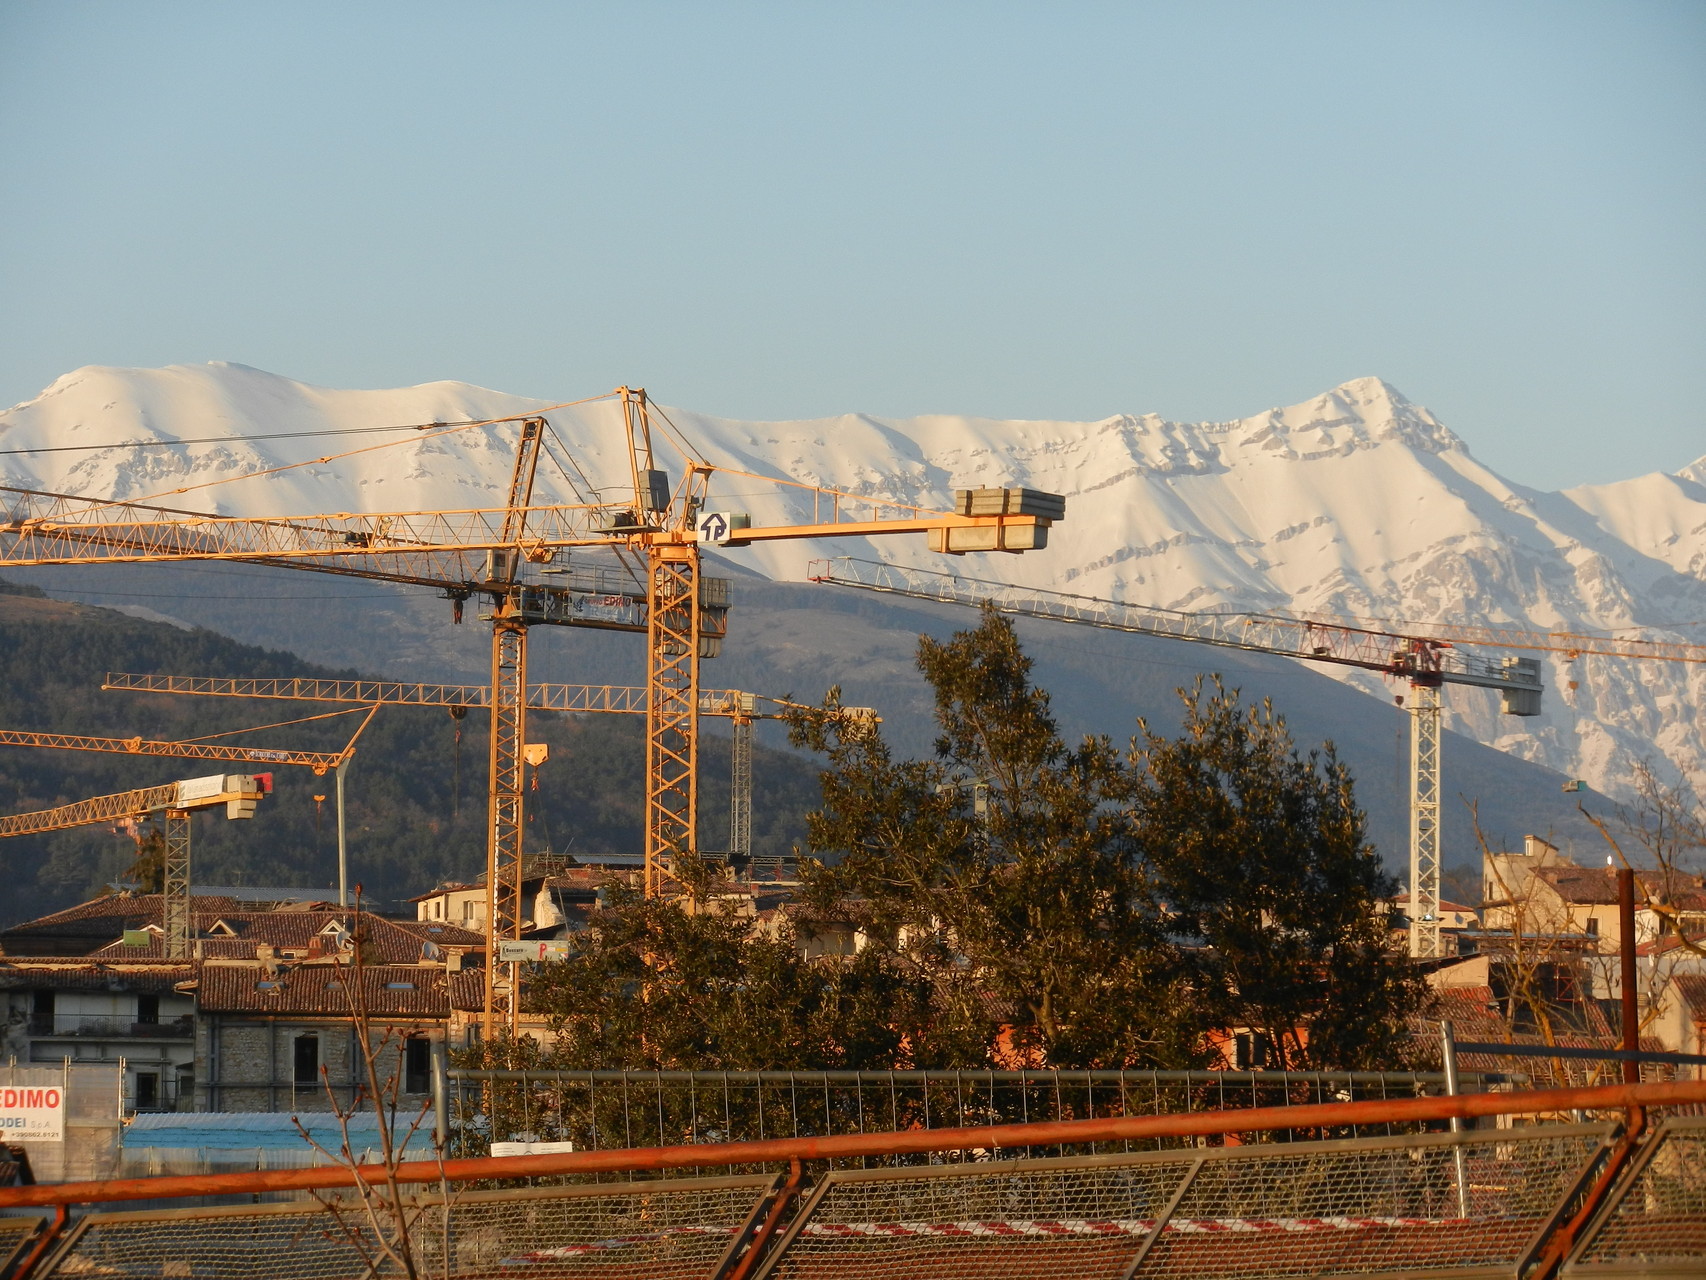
x: 1521, y: 1202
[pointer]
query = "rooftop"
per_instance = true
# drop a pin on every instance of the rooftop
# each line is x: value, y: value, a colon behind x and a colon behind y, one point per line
x: 384, y: 991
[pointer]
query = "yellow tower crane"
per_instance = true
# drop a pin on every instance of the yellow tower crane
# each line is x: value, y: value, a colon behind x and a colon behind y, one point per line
x: 175, y: 801
x: 482, y: 552
x: 741, y: 709
x: 320, y: 762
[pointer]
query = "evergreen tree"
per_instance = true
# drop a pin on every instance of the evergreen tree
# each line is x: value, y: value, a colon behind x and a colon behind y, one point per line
x: 149, y: 869
x: 1005, y: 870
x: 1260, y: 860
x: 652, y: 985
x: 1022, y: 901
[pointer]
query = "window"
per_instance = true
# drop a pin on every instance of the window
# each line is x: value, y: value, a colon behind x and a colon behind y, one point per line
x: 148, y: 1013
x: 147, y: 1090
x: 467, y: 911
x: 417, y: 1065
x: 1249, y: 1051
x: 307, y: 1060
x: 41, y: 1013
x: 1593, y: 926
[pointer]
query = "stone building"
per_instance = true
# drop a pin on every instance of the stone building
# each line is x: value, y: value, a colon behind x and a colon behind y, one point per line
x: 273, y: 1037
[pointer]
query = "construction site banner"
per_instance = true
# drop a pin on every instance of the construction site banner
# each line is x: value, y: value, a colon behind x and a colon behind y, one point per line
x: 32, y: 1113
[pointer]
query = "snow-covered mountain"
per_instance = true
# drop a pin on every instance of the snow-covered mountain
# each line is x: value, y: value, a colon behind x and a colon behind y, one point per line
x: 1355, y: 503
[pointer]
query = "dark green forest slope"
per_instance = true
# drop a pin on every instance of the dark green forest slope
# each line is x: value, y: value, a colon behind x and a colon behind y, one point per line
x: 416, y: 805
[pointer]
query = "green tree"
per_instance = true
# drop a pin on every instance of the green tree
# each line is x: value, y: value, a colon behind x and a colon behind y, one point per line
x: 1072, y: 906
x: 652, y: 984
x: 1259, y: 858
x: 149, y: 870
x: 1005, y: 870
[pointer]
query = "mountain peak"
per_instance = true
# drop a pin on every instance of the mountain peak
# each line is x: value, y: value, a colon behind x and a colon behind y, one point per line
x: 1370, y: 390
x: 1361, y: 413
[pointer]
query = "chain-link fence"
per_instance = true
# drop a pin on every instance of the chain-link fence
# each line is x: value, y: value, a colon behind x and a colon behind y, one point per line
x: 1613, y: 1198
x: 1353, y: 1207
x: 667, y: 1230
x: 1401, y: 1205
x: 1655, y: 1223
x: 604, y: 1110
x: 16, y: 1236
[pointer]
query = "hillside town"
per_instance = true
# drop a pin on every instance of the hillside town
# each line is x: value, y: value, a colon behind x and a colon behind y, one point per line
x: 259, y: 1017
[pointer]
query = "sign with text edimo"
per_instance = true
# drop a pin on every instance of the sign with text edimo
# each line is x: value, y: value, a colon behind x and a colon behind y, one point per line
x: 31, y: 1114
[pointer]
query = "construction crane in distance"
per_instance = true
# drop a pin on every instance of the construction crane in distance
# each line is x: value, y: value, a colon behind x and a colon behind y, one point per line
x: 1424, y: 662
x: 740, y: 708
x: 483, y: 552
x: 320, y: 762
x: 175, y: 801
x: 1571, y: 644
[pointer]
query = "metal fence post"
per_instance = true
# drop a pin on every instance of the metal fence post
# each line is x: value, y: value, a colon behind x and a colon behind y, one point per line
x: 1448, y: 1052
x: 440, y: 1105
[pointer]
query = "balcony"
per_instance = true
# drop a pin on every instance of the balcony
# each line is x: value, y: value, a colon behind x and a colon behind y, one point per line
x: 107, y: 1027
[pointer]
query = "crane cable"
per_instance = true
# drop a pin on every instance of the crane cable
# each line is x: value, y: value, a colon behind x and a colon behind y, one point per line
x: 281, y: 724
x: 427, y: 433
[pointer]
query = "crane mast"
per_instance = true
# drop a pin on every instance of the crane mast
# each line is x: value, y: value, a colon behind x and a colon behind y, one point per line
x: 1426, y: 663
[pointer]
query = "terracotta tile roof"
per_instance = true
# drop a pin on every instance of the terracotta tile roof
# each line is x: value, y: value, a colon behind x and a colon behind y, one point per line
x: 1692, y: 987
x: 323, y: 990
x: 16, y: 975
x: 468, y: 990
x: 80, y: 929
x: 205, y: 948
x: 124, y: 904
x: 1476, y: 1018
x: 389, y: 941
x: 1589, y: 886
x: 585, y: 878
x: 441, y: 932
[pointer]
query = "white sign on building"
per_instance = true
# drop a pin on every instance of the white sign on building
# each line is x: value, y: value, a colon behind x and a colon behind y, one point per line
x: 31, y: 1113
x: 545, y: 949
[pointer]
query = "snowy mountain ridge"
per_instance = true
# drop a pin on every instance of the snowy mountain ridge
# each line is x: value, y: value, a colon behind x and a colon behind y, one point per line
x: 1355, y: 503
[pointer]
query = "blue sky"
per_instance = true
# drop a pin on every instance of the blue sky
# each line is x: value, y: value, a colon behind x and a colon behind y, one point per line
x: 1019, y: 210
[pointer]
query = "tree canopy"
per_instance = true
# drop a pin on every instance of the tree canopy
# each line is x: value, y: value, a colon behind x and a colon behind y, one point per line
x: 1020, y: 900
x: 1259, y: 859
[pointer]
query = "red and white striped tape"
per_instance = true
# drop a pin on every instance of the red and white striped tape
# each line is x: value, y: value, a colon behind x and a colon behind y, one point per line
x: 1002, y: 1228
x: 1058, y: 1227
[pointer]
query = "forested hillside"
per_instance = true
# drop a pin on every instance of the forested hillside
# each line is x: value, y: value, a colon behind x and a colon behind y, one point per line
x: 416, y: 802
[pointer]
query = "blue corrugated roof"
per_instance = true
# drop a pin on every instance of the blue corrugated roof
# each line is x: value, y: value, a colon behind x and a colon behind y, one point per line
x: 248, y: 1130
